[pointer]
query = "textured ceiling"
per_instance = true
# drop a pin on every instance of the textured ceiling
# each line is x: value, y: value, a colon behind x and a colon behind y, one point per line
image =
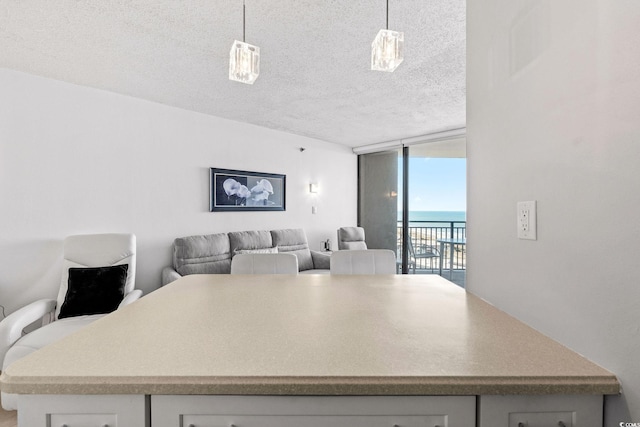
x: 315, y: 58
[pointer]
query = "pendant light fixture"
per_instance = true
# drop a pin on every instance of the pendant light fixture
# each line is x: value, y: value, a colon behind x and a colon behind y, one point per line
x: 387, y: 49
x: 244, y: 59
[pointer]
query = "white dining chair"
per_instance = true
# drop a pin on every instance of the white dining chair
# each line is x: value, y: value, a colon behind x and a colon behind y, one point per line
x: 371, y: 261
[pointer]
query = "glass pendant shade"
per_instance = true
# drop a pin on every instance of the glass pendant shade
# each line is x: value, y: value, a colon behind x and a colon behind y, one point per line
x: 387, y: 50
x: 244, y: 62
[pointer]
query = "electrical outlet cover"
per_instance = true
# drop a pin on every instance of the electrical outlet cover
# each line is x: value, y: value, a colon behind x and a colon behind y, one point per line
x: 527, y: 220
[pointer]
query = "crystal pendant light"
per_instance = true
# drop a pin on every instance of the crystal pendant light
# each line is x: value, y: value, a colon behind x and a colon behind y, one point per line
x: 387, y: 49
x: 244, y: 59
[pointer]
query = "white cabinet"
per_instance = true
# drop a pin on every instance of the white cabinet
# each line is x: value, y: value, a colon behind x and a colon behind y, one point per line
x: 316, y: 411
x: 541, y: 411
x: 309, y: 411
x: 82, y: 410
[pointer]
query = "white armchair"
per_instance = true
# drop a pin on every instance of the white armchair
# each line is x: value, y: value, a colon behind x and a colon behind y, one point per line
x: 98, y: 276
x: 351, y: 238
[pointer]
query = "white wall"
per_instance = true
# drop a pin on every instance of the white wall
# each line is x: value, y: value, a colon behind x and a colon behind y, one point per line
x: 553, y: 115
x: 78, y: 160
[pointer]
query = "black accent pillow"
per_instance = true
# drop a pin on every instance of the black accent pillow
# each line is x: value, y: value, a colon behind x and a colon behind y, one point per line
x: 94, y: 290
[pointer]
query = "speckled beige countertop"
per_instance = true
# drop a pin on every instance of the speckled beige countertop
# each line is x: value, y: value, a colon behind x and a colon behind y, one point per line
x: 308, y: 335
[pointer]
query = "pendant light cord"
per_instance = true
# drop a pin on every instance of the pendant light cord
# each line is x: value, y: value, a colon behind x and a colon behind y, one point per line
x: 243, y: 21
x: 387, y: 14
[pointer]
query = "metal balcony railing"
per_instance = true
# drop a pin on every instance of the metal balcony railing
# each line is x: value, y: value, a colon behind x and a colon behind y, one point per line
x: 427, y: 233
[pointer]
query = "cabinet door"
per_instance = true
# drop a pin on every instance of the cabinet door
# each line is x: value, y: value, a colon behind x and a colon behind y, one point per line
x: 313, y: 411
x: 541, y: 411
x: 82, y: 410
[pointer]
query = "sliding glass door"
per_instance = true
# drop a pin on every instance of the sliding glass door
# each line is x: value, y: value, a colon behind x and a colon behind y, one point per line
x: 378, y: 193
x: 437, y: 209
x: 413, y: 200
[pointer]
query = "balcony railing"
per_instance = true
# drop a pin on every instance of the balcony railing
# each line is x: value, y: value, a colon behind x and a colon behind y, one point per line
x: 427, y: 233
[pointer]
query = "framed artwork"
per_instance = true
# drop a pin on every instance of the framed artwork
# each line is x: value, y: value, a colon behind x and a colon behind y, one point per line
x: 234, y: 190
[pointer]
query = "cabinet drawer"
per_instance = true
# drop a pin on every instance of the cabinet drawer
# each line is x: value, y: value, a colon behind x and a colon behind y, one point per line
x: 313, y: 411
x: 541, y: 411
x: 541, y: 419
x: 83, y: 420
x: 313, y: 421
x: 82, y: 410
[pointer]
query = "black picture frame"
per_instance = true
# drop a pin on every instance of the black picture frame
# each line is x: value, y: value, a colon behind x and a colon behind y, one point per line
x: 236, y: 190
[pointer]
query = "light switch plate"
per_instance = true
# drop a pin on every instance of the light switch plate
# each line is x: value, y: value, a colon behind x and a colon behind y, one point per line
x: 527, y: 220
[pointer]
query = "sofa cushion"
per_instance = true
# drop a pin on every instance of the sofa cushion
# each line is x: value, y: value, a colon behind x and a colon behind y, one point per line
x: 321, y: 260
x: 294, y: 241
x: 255, y: 239
x: 256, y: 251
x: 204, y: 254
x: 354, y: 246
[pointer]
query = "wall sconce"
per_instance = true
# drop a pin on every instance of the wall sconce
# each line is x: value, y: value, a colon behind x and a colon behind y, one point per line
x: 313, y: 187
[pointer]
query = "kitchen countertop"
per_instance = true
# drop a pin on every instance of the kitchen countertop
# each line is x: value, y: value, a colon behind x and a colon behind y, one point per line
x: 308, y: 335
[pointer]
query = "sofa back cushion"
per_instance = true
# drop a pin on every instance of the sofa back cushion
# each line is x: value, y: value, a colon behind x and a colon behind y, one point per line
x: 249, y: 240
x: 294, y: 241
x: 204, y: 254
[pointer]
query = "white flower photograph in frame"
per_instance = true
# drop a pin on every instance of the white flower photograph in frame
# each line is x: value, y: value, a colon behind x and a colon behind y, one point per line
x: 235, y: 190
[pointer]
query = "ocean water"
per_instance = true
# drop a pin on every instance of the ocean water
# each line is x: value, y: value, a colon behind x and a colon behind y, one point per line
x: 444, y: 216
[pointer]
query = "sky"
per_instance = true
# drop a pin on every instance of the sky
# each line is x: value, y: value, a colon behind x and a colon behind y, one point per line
x: 435, y: 184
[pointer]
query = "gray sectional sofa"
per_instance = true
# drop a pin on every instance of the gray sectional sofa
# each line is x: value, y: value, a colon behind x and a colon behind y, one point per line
x: 212, y: 253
